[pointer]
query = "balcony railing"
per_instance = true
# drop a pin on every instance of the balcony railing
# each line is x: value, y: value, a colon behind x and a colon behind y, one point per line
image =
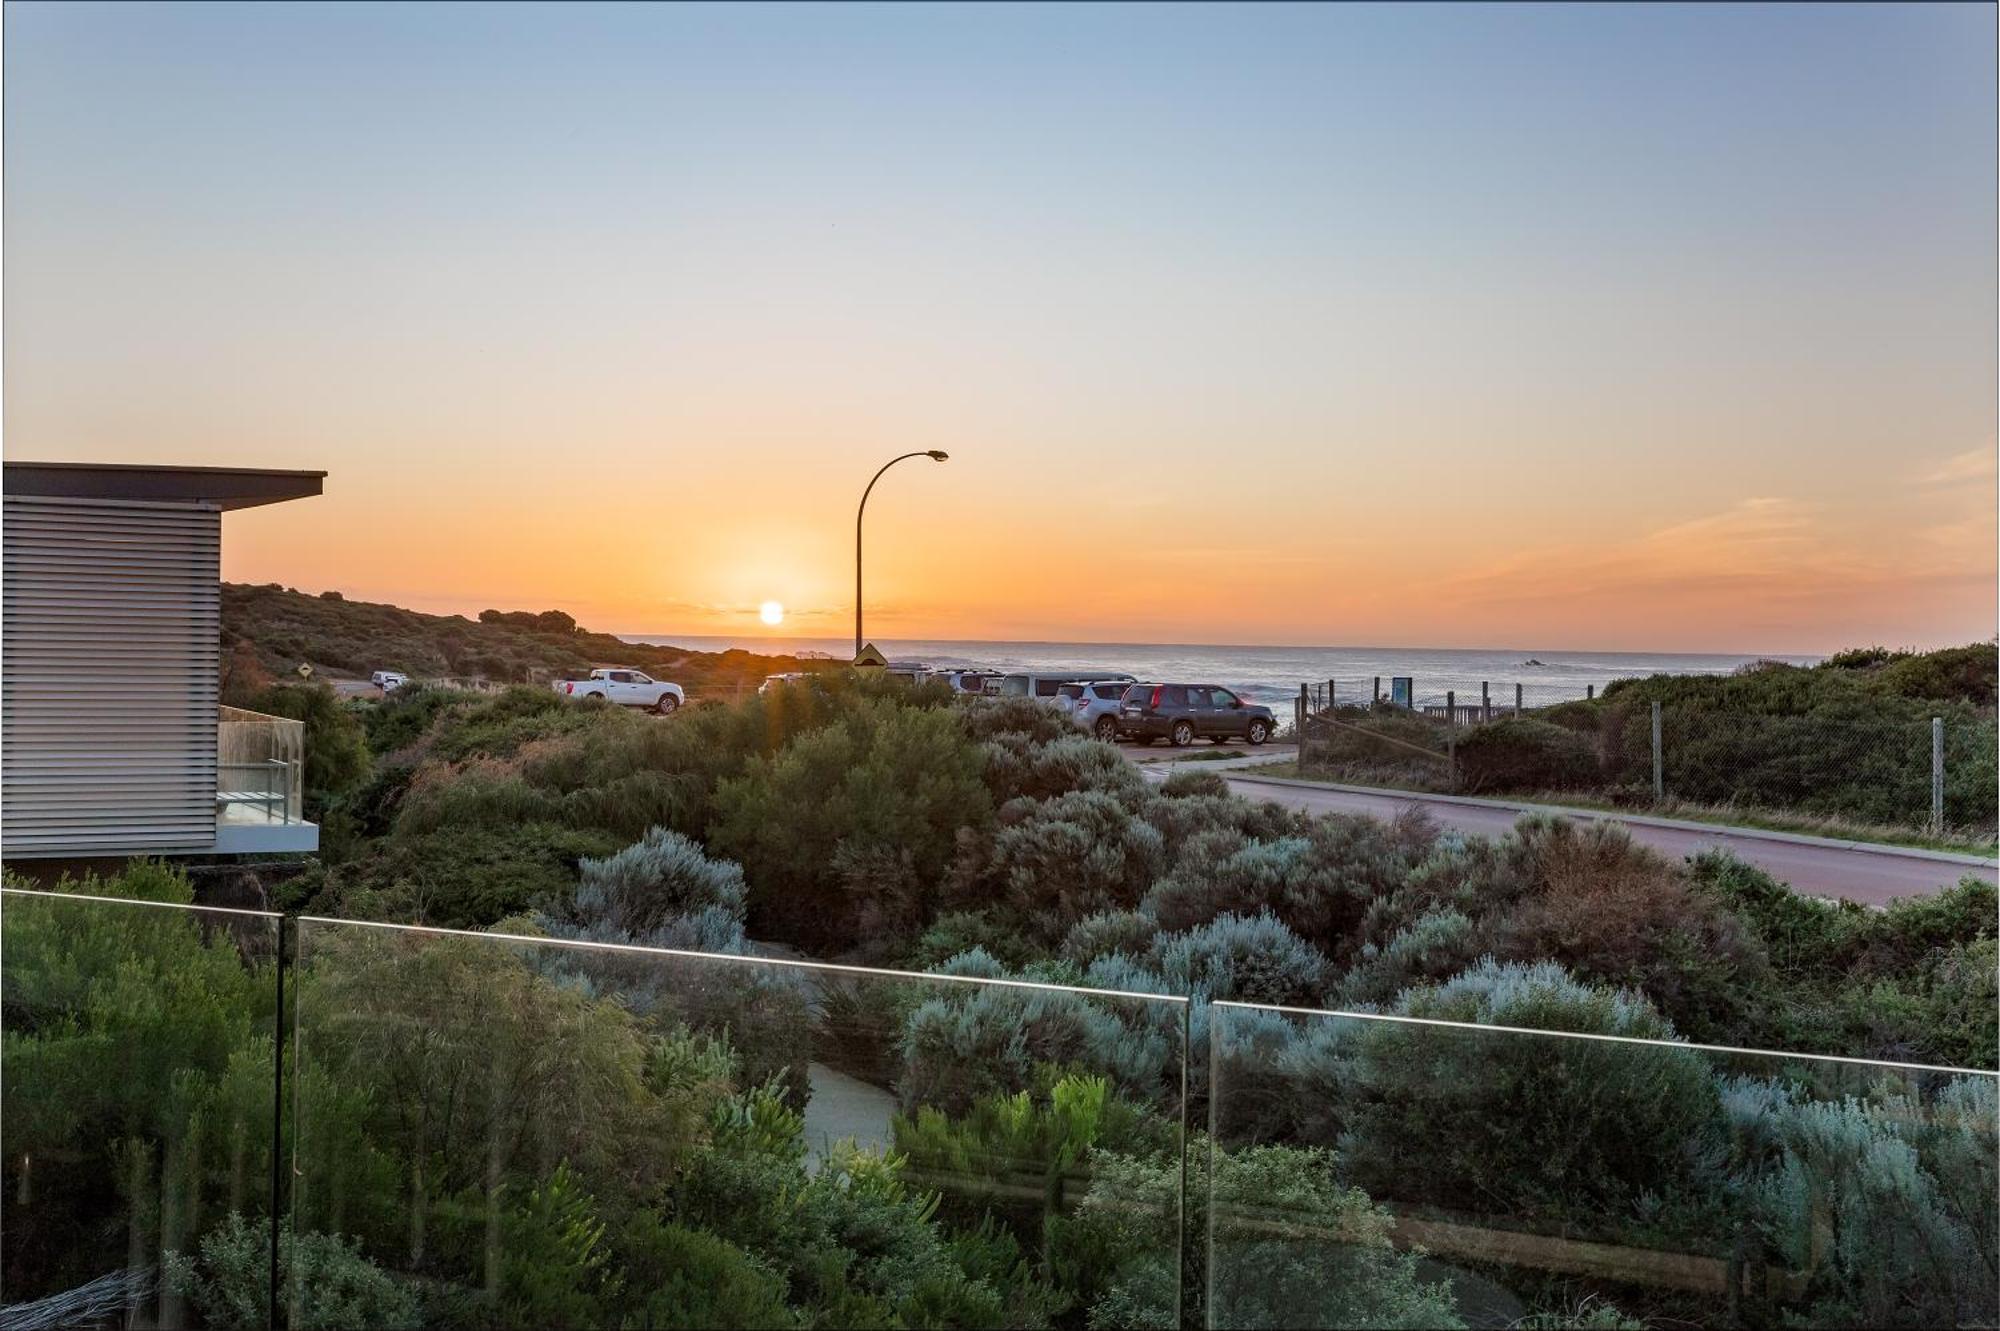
x: 259, y: 761
x: 449, y: 1128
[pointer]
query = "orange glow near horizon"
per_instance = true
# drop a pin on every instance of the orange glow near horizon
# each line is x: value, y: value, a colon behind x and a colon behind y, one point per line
x: 980, y: 553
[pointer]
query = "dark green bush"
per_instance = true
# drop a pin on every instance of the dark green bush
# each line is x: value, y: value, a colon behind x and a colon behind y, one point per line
x: 900, y: 779
x: 1531, y: 1126
x: 1525, y: 754
x: 1188, y: 782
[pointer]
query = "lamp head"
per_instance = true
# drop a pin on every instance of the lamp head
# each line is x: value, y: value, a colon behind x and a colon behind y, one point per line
x: 937, y: 455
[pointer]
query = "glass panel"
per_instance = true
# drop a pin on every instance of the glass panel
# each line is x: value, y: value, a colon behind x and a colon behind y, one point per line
x: 528, y: 1131
x: 259, y: 763
x: 1376, y: 1171
x: 140, y: 1110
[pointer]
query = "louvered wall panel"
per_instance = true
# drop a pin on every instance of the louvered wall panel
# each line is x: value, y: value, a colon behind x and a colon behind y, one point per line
x: 108, y: 681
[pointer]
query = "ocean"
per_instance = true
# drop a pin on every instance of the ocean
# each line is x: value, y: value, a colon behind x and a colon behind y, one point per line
x: 1273, y: 674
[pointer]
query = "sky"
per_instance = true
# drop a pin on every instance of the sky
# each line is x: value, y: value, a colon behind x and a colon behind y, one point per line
x: 1615, y: 327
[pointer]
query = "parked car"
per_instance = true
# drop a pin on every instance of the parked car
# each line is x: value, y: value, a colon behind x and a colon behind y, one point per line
x: 388, y: 680
x: 1181, y: 713
x: 974, y: 682
x: 1047, y: 684
x: 626, y: 688
x: 1095, y: 707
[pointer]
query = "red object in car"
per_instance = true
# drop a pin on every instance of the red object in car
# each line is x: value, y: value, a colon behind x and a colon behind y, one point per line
x: 1157, y: 691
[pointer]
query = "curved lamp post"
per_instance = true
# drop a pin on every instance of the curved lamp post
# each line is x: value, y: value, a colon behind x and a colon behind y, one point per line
x: 934, y: 455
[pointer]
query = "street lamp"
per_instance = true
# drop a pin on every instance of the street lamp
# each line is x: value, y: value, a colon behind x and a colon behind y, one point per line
x: 935, y: 455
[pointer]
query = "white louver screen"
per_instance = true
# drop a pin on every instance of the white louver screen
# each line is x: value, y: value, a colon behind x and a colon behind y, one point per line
x: 112, y: 624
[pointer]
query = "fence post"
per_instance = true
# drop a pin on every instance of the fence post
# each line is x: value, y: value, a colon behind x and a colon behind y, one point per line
x: 1659, y: 783
x: 1485, y: 701
x: 1299, y: 719
x: 1378, y: 689
x: 1329, y: 695
x: 1451, y: 707
x: 1589, y: 692
x: 1451, y: 756
x: 1937, y: 776
x: 1517, y: 700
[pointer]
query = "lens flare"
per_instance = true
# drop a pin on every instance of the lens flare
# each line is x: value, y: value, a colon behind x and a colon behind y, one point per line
x: 771, y: 612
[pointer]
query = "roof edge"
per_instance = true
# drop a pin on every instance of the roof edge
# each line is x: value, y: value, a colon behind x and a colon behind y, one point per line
x: 225, y: 487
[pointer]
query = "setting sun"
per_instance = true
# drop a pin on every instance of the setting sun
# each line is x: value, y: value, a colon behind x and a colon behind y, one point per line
x: 771, y: 612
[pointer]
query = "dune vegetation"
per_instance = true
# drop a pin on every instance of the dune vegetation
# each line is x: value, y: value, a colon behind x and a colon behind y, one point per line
x: 514, y: 1130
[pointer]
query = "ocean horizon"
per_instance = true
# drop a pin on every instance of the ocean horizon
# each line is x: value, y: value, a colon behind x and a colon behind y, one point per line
x: 1273, y: 673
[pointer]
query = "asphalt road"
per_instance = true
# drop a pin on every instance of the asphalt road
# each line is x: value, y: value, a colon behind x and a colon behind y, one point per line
x: 1872, y: 876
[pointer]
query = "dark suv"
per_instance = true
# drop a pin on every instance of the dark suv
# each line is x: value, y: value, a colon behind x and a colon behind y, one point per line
x: 1179, y: 713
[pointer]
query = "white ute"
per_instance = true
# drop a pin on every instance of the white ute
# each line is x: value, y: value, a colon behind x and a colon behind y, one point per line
x: 627, y: 688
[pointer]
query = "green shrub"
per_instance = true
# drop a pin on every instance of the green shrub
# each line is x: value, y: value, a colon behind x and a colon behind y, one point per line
x: 1293, y: 1246
x: 691, y: 1280
x: 1058, y: 860
x: 137, y: 1045
x: 900, y: 778
x: 649, y: 884
x: 555, y: 1268
x: 1031, y: 767
x: 1885, y: 1205
x: 1530, y: 1125
x: 326, y: 1282
x: 1181, y: 784
x: 1254, y: 960
x: 1109, y: 932
x: 1520, y: 753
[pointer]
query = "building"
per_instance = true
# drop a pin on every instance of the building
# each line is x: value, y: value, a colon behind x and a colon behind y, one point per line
x: 113, y: 740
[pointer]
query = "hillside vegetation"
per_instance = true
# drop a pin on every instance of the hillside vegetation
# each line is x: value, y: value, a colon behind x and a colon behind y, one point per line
x: 270, y: 630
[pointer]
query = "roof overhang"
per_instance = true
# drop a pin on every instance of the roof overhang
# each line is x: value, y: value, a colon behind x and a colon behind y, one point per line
x: 225, y: 487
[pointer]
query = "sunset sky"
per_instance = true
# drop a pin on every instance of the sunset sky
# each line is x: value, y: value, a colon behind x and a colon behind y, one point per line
x: 1619, y: 328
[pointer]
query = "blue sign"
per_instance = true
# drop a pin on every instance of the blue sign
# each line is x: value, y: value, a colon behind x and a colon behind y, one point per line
x: 1402, y: 690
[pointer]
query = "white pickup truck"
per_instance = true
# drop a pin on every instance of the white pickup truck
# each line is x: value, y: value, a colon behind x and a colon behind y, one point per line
x: 627, y: 688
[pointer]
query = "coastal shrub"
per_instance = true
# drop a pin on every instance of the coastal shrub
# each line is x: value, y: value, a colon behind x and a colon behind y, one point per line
x: 1181, y: 784
x: 229, y: 1282
x: 1319, y: 880
x: 900, y: 778
x: 509, y: 1049
x: 1293, y: 1245
x: 964, y: 1043
x: 1886, y: 1204
x: 1254, y: 959
x: 956, y: 932
x: 1614, y: 912
x: 1109, y: 932
x: 135, y: 1042
x: 690, y: 1280
x: 1525, y: 754
x: 464, y: 876
x: 1910, y: 982
x: 1181, y: 819
x: 1532, y: 1125
x: 1062, y: 859
x: 1434, y: 946
x: 650, y: 882
x: 1024, y: 766
x: 1034, y: 721
x: 1965, y: 674
x: 852, y: 1243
